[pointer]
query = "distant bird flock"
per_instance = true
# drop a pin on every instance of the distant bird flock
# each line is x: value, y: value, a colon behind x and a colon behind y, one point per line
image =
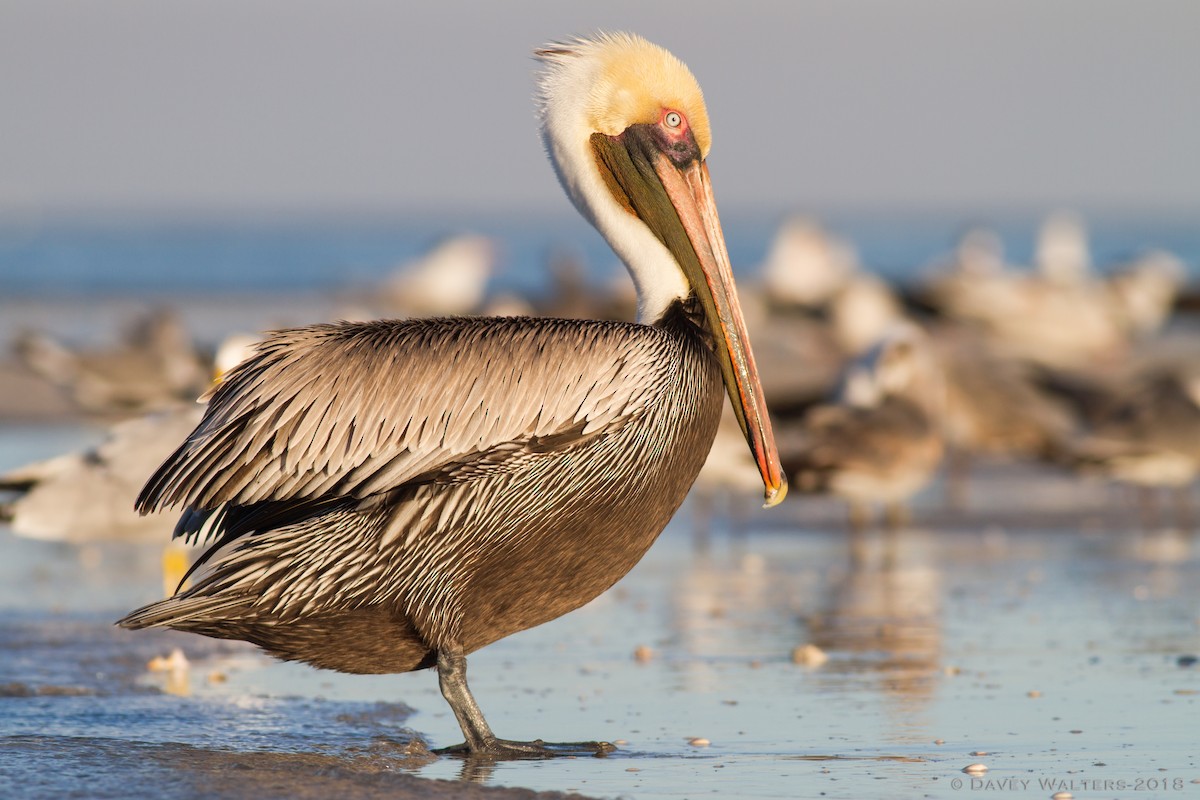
x: 874, y: 388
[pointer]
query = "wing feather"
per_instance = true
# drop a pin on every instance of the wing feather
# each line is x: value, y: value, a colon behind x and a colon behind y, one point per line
x: 355, y: 409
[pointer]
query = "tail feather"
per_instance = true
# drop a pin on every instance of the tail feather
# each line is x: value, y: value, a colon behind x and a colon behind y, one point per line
x: 181, y: 612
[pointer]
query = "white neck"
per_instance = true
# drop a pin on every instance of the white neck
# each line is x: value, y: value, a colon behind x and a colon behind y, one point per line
x: 656, y: 274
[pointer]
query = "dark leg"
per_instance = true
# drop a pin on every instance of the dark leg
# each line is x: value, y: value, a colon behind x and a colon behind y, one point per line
x: 1183, y: 508
x: 480, y: 741
x: 1148, y: 504
x: 896, y: 519
x: 452, y: 677
x: 859, y: 518
x: 958, y: 468
x: 896, y: 516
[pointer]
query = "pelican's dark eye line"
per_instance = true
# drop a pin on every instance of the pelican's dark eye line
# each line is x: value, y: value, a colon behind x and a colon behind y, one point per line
x: 673, y: 119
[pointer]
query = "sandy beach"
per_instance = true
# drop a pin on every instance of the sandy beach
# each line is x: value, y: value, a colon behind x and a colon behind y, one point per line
x: 1051, y: 640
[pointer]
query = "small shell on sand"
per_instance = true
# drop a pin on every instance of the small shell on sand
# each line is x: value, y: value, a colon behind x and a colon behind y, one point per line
x: 977, y: 753
x: 809, y: 654
x: 975, y: 769
x: 1062, y: 796
x: 1033, y: 693
x: 642, y: 653
x: 699, y: 741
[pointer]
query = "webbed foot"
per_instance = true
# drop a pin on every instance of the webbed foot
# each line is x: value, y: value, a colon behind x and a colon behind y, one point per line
x: 481, y: 744
x: 505, y: 749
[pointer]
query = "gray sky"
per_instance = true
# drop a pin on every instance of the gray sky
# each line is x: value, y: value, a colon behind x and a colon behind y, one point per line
x: 284, y: 106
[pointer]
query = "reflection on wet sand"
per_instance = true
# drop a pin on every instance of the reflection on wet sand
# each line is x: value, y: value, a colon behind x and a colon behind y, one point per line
x: 371, y: 771
x: 900, y: 759
x: 875, y: 616
x: 885, y: 620
x: 722, y: 624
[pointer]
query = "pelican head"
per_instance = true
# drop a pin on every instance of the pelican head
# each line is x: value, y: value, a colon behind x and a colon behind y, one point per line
x: 625, y: 125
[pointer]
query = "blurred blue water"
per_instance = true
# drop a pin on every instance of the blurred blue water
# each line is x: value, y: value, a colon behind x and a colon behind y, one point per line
x: 158, y: 258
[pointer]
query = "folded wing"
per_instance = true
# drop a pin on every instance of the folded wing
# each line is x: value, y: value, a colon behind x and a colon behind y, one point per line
x: 350, y: 411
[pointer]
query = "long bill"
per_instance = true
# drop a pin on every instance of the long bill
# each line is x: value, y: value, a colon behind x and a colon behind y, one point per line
x: 676, y: 202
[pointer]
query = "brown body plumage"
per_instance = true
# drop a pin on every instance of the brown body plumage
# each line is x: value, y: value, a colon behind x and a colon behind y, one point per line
x: 394, y: 495
x: 481, y: 522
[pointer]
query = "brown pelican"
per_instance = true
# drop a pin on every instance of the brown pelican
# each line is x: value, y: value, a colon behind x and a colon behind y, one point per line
x: 393, y: 495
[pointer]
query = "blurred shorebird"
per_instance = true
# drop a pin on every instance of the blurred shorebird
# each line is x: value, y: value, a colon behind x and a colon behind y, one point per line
x: 1062, y: 255
x: 1144, y: 291
x: 813, y: 307
x: 1149, y: 439
x: 393, y: 495
x: 89, y: 495
x: 862, y: 313
x: 994, y: 407
x: 1060, y: 315
x: 155, y: 366
x: 806, y: 265
x: 881, y: 442
x: 449, y: 280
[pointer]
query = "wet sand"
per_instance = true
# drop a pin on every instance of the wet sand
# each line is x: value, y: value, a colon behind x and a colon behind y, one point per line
x: 1042, y: 634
